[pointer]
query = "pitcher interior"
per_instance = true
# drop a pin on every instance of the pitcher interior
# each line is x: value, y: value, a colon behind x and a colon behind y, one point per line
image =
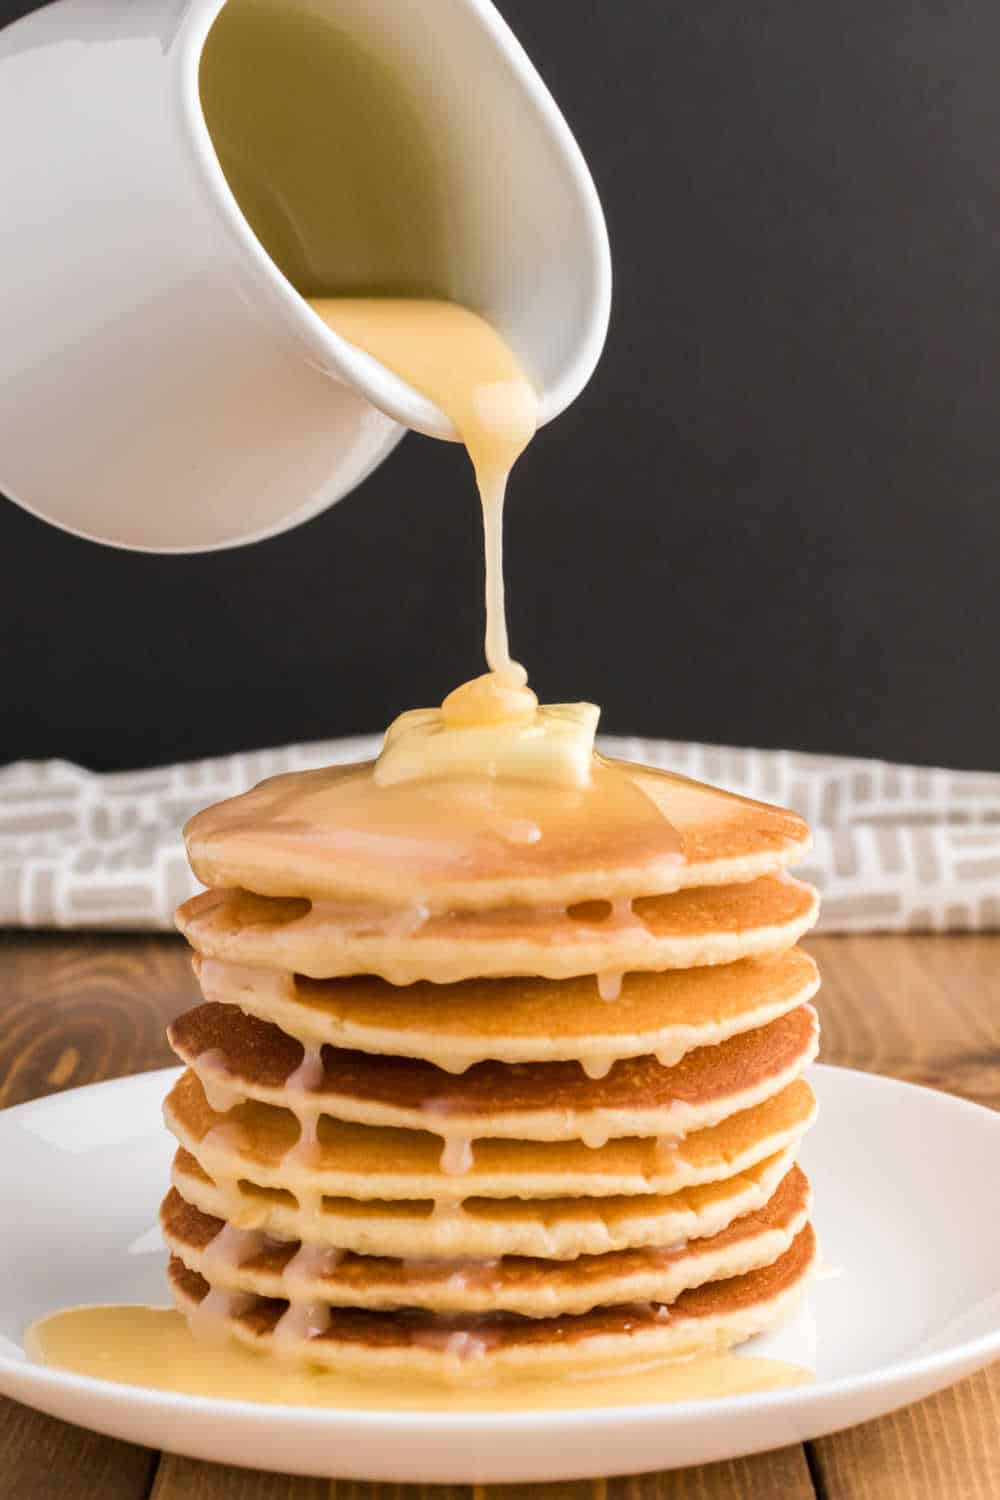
x: 328, y: 153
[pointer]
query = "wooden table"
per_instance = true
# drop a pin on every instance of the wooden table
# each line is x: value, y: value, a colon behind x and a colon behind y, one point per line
x: 77, y: 1009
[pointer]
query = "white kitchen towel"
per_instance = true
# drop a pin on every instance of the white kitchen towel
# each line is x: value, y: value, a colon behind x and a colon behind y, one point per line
x: 896, y: 848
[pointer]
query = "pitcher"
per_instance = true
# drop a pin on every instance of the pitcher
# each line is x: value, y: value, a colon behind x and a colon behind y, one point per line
x: 180, y: 174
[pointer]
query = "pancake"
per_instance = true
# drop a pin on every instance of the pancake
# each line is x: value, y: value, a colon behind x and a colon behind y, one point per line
x: 262, y: 1143
x: 710, y: 925
x: 476, y: 844
x: 238, y: 1057
x: 415, y: 1342
x: 522, y: 1020
x: 484, y: 1228
x: 245, y: 1260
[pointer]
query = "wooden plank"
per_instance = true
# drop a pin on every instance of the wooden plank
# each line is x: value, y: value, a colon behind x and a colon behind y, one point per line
x: 188, y: 1479
x: 784, y: 1472
x: 79, y: 1009
x: 945, y: 1448
x: 356, y: 1489
x: 924, y: 1008
x: 41, y: 1458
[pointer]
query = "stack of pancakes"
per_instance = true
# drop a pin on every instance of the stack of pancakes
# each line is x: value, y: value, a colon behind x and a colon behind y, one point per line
x: 541, y: 1117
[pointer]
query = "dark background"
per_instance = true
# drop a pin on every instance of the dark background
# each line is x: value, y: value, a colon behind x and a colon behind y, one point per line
x: 771, y: 518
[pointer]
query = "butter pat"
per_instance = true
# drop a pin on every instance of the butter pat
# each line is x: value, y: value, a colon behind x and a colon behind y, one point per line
x: 552, y: 743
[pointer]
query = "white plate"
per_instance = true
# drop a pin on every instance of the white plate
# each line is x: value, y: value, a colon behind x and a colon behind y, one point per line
x: 906, y: 1204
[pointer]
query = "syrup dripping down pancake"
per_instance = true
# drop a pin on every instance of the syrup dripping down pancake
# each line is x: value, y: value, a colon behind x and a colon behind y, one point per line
x: 710, y: 925
x: 239, y: 1057
x: 492, y: 1075
x: 258, y: 1141
x: 467, y: 1346
x: 485, y: 1228
x: 245, y: 1260
x: 520, y: 1020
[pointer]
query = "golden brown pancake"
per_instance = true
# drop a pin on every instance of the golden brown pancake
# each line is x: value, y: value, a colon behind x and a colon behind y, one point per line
x: 462, y: 844
x: 484, y: 1228
x: 239, y: 1057
x: 258, y: 1141
x: 710, y: 925
x: 522, y: 1020
x: 246, y: 1260
x: 444, y: 1346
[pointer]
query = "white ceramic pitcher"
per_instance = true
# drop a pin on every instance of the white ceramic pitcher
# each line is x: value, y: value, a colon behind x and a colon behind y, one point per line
x: 162, y: 384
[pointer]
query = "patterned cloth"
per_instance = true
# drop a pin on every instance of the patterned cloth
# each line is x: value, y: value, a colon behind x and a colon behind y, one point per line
x: 895, y: 847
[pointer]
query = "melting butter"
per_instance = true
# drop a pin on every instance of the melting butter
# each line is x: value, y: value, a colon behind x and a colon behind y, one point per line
x: 153, y: 1348
x: 484, y: 728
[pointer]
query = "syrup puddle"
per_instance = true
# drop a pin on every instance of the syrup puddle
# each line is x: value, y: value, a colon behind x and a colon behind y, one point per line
x: 153, y: 1348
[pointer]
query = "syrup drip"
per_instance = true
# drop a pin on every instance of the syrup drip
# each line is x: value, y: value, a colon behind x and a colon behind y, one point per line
x: 308, y: 1076
x: 667, y: 1152
x: 233, y: 1247
x: 222, y: 1095
x: 302, y: 1321
x: 447, y: 1209
x: 669, y: 1057
x: 594, y: 1134
x: 208, y: 1320
x: 461, y: 1347
x: 459, y: 362
x: 310, y: 1205
x: 305, y: 1151
x: 609, y: 985
x: 300, y: 1084
x: 598, y: 1065
x: 309, y: 1264
x: 456, y: 1155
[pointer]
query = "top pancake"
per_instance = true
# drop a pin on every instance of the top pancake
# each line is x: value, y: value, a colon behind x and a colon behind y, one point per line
x: 473, y: 844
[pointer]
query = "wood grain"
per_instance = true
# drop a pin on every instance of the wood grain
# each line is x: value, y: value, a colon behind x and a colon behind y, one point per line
x: 923, y: 1008
x: 187, y: 1479
x: 41, y: 1459
x: 783, y: 1473
x: 945, y: 1448
x: 75, y: 1009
